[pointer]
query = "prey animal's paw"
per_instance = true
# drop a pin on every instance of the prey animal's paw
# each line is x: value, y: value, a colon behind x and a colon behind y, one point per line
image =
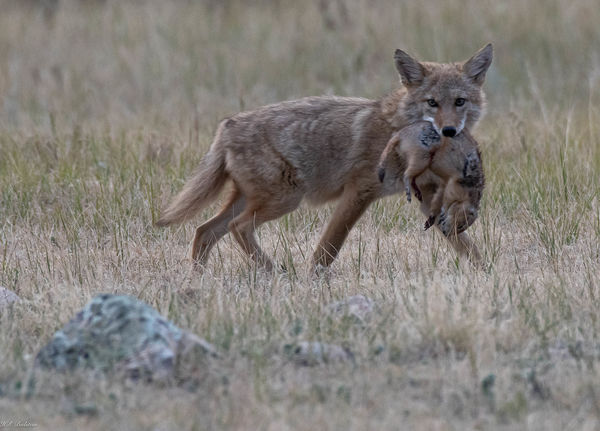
x: 429, y: 222
x: 381, y: 173
x: 418, y: 194
x: 408, y: 194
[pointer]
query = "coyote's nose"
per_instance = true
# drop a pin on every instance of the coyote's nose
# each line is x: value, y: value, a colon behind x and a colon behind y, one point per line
x: 449, y: 131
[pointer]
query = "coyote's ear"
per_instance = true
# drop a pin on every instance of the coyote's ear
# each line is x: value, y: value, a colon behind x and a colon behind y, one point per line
x: 476, y: 67
x: 410, y: 70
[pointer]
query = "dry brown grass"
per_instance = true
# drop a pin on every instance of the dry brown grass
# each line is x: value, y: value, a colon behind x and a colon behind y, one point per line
x: 107, y: 106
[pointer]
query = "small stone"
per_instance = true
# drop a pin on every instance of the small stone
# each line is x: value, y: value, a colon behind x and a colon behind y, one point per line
x: 311, y: 353
x: 487, y: 386
x: 359, y: 307
x: 7, y: 297
x: 86, y: 409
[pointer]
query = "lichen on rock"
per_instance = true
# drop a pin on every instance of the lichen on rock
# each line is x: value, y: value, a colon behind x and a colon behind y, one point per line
x: 122, y: 333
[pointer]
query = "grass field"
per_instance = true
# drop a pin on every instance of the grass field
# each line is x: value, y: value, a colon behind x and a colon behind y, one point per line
x: 107, y: 106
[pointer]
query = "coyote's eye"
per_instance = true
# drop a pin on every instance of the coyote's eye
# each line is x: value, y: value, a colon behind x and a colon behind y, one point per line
x: 432, y: 103
x: 459, y: 102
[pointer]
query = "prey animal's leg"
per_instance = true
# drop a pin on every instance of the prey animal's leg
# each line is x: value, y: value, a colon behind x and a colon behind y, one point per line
x: 418, y: 194
x: 418, y: 162
x: 413, y: 170
x: 407, y: 187
x: 461, y: 242
x: 435, y: 206
x: 394, y: 140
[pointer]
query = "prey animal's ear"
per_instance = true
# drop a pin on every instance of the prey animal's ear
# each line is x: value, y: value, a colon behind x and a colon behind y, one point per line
x: 410, y: 70
x: 476, y: 67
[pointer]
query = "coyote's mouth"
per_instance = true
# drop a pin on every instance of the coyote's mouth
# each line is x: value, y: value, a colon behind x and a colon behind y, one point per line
x: 432, y: 121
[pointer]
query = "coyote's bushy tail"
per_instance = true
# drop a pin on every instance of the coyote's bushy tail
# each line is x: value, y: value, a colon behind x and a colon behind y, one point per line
x: 200, y: 190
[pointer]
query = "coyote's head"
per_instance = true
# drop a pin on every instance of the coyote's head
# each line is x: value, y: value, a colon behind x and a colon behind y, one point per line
x: 448, y: 95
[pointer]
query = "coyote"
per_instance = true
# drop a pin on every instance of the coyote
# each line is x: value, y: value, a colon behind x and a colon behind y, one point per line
x: 457, y: 161
x: 323, y: 148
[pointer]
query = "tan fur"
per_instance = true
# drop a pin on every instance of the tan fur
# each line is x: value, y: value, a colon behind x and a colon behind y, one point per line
x: 457, y: 161
x: 315, y: 149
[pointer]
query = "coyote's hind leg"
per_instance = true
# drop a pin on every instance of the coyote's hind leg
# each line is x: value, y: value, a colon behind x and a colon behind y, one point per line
x: 214, y: 229
x: 254, y: 214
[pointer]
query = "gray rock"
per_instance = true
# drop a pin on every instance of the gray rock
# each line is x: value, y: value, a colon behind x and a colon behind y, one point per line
x: 121, y: 333
x: 311, y: 353
x: 358, y: 307
x: 7, y: 297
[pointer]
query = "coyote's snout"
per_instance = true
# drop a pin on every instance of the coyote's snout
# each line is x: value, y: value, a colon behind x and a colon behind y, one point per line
x: 323, y: 148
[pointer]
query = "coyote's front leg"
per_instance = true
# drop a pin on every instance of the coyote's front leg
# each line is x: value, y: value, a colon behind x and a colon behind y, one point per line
x: 353, y: 204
